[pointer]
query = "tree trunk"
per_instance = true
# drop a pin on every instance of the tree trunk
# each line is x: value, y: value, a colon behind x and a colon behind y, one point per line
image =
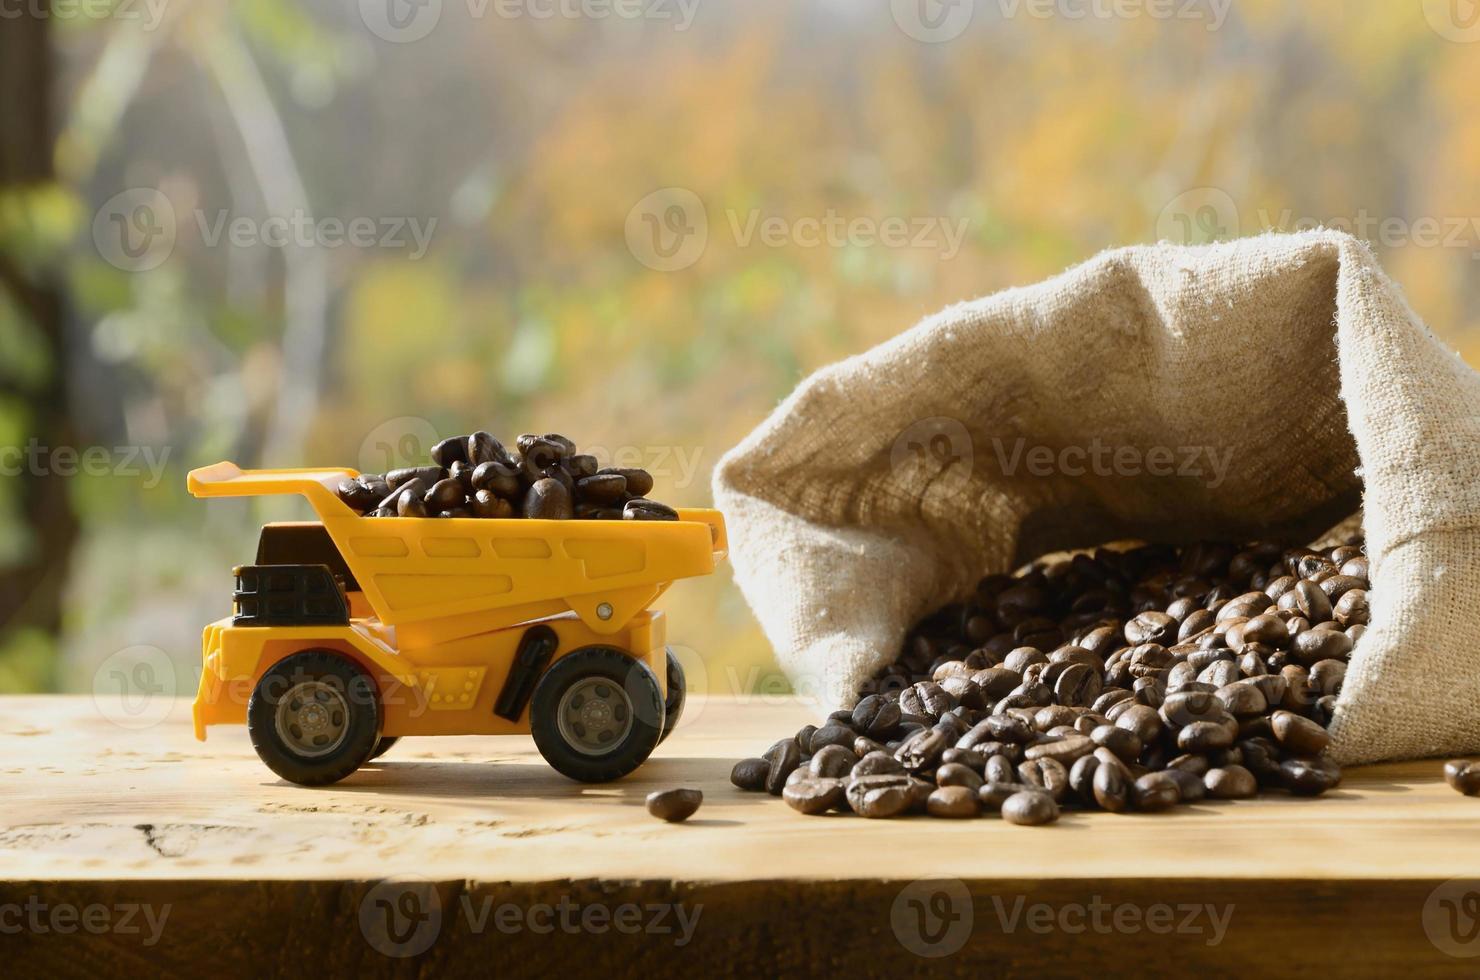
x: 31, y: 588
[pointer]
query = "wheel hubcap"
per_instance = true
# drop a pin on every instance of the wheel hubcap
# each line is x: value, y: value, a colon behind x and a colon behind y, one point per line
x: 595, y: 715
x: 312, y: 719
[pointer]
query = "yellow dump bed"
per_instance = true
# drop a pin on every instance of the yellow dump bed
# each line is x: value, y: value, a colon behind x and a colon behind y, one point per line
x: 492, y: 572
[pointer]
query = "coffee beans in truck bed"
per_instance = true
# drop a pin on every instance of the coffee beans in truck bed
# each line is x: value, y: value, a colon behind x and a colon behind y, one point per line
x: 476, y: 476
x: 1120, y: 680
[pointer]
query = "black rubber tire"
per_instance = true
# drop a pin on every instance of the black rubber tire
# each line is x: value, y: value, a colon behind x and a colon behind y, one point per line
x: 677, y: 695
x: 639, y: 683
x: 383, y: 746
x: 360, y: 697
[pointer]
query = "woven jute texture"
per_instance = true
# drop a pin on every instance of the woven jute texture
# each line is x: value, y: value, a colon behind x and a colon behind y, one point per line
x: 1264, y: 388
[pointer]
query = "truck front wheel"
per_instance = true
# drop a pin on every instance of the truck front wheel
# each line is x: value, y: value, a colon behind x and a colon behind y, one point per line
x: 597, y: 714
x: 314, y: 717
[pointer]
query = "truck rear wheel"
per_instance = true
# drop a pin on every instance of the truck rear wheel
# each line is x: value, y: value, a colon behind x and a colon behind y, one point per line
x: 677, y: 694
x: 314, y: 717
x: 597, y: 714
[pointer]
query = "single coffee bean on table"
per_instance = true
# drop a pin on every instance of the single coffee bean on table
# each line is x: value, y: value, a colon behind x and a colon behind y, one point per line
x: 1463, y: 775
x: 544, y: 478
x: 674, y: 805
x: 1122, y: 680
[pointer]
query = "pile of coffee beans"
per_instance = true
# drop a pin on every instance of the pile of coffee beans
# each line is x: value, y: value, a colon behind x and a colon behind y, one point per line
x: 1126, y: 679
x: 476, y: 476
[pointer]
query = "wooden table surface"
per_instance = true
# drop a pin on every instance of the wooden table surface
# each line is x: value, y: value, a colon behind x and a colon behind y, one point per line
x: 471, y: 853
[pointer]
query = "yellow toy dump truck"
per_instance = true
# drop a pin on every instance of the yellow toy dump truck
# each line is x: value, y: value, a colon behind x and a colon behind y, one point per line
x: 350, y: 632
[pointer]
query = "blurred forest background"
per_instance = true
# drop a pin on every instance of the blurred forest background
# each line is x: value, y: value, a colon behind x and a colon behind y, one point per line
x: 515, y: 270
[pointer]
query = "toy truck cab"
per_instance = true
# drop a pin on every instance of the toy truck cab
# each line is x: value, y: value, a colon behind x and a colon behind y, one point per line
x: 350, y: 632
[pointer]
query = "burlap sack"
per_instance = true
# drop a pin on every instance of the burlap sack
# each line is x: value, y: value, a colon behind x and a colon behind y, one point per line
x: 1293, y: 367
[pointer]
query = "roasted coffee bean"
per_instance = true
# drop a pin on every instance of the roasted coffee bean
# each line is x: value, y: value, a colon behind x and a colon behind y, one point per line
x: 750, y: 774
x: 639, y: 482
x: 1030, y: 808
x: 1111, y: 787
x: 1309, y: 777
x: 497, y: 477
x: 450, y: 451
x: 876, y: 716
x: 1190, y: 786
x: 813, y: 795
x: 955, y: 774
x: 547, y: 500
x: 409, y: 499
x: 428, y: 475
x: 921, y: 750
x: 1312, y: 602
x: 1082, y: 778
x: 953, y: 802
x: 582, y: 465
x: 1049, y: 775
x: 832, y: 761
x: 485, y: 504
x: 1154, y: 792
x: 674, y: 805
x: 1463, y: 776
x: 1351, y: 609
x: 1063, y: 750
x: 1000, y: 769
x: 830, y: 734
x: 880, y: 797
x: 782, y: 759
x: 357, y: 495
x: 1231, y: 782
x: 642, y: 509
x: 444, y: 495
x: 877, y: 764
x: 608, y: 489
x: 1151, y: 627
x: 1297, y: 735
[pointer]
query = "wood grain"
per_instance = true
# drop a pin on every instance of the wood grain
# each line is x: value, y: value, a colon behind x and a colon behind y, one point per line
x: 259, y: 874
